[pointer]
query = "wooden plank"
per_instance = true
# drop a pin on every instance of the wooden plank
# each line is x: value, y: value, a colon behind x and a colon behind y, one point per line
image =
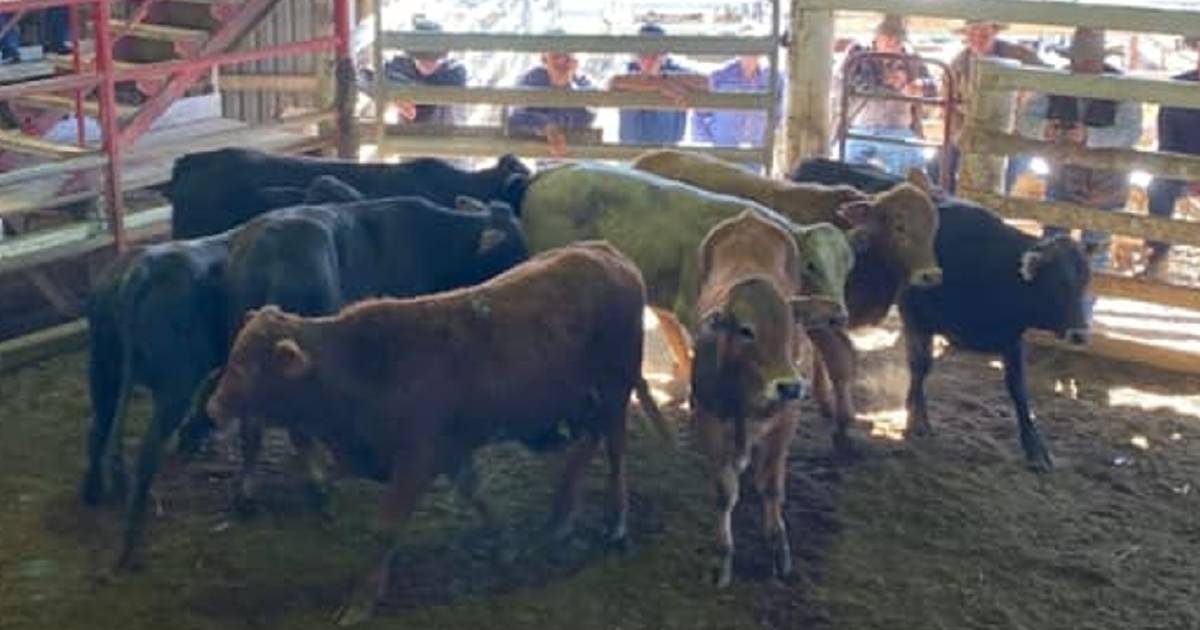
x: 71, y: 240
x: 161, y: 32
x: 1122, y: 349
x: 572, y: 98
x: 18, y: 141
x: 995, y: 76
x: 42, y: 345
x: 1077, y: 216
x: 614, y: 44
x: 66, y: 104
x: 24, y: 71
x: 1133, y: 16
x: 1169, y: 165
x: 1112, y: 285
x: 484, y: 147
x: 267, y: 82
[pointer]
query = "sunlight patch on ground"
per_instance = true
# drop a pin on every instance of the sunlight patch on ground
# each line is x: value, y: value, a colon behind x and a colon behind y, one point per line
x: 1132, y: 397
x: 1140, y: 442
x: 996, y: 364
x: 888, y: 423
x: 873, y: 339
x: 1069, y: 388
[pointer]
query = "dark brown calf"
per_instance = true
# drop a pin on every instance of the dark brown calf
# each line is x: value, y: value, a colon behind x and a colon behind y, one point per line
x: 744, y: 380
x: 408, y: 389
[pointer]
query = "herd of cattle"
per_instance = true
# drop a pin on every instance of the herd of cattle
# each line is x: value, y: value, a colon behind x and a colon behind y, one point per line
x: 401, y: 316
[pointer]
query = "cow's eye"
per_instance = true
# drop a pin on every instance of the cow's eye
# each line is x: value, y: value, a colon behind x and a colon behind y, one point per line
x: 746, y: 332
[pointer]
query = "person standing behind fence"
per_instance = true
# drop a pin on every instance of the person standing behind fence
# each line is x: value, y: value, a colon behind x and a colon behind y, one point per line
x: 735, y: 128
x: 1093, y: 123
x: 557, y: 72
x: 888, y: 118
x: 655, y: 72
x: 1178, y: 132
x: 420, y: 68
x: 982, y: 42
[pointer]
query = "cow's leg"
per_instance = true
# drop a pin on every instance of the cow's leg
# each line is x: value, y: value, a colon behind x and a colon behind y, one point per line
x: 837, y: 355
x: 677, y: 342
x: 104, y: 381
x: 310, y: 458
x: 821, y: 386
x: 250, y: 431
x: 467, y: 482
x: 618, y: 482
x: 198, y: 426
x: 1036, y: 453
x: 168, y: 410
x: 919, y: 347
x: 710, y: 433
x: 578, y: 457
x: 770, y: 479
x: 411, y: 474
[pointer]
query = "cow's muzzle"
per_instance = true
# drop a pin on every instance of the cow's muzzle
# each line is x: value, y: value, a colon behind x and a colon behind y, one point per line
x: 926, y: 278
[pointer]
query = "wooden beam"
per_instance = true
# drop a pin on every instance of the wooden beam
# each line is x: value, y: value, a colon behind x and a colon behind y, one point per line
x: 1132, y: 16
x: 268, y: 83
x: 42, y: 345
x: 1077, y: 216
x: 1169, y: 165
x: 993, y: 111
x: 810, y: 63
x: 613, y: 44
x: 1112, y: 285
x: 1122, y: 349
x: 18, y: 141
x: 491, y: 146
x: 572, y: 98
x: 995, y: 76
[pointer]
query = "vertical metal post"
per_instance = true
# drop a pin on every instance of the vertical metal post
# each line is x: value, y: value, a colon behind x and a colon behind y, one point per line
x: 380, y: 95
x: 347, y: 142
x: 77, y: 68
x: 108, y: 124
x: 774, y: 93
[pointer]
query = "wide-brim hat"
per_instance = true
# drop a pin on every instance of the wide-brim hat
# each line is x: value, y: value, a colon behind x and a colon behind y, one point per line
x: 998, y: 26
x: 422, y: 25
x: 1087, y: 44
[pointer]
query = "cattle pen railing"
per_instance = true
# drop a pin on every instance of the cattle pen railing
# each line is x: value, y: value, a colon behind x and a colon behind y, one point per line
x: 475, y: 142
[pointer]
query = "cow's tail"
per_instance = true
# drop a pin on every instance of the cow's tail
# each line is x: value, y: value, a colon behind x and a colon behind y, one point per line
x: 129, y: 293
x: 651, y: 411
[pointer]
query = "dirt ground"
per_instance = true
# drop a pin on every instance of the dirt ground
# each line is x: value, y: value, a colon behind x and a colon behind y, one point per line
x: 950, y: 532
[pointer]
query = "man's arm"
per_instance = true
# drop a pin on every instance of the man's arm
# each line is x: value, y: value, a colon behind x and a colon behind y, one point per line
x: 1124, y: 132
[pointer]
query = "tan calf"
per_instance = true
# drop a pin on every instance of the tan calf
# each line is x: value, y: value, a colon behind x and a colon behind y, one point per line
x: 745, y: 387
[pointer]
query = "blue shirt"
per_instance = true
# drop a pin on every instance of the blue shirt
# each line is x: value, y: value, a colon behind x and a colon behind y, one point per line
x: 533, y: 119
x: 653, y: 126
x: 733, y: 128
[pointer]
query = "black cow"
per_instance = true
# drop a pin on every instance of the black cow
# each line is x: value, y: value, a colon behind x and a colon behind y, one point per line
x: 997, y: 283
x: 158, y: 317
x: 217, y: 190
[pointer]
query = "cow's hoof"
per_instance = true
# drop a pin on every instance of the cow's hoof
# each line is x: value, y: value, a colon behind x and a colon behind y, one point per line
x: 918, y: 430
x: 782, y: 561
x: 354, y: 612
x: 844, y: 448
x: 722, y: 573
x: 1040, y: 462
x: 620, y: 541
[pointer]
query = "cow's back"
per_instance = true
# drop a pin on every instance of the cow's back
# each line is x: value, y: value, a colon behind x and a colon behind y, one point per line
x: 658, y: 223
x: 709, y: 173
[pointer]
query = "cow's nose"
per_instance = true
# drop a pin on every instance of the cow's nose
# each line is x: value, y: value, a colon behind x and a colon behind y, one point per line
x: 790, y: 390
x: 930, y: 277
x: 1078, y: 336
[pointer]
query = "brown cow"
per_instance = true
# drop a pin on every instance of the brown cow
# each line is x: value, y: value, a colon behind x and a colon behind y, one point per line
x: 407, y: 389
x: 744, y: 381
x: 892, y: 232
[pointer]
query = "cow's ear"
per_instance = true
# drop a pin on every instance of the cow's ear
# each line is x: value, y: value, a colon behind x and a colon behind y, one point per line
x: 292, y: 360
x: 855, y: 212
x: 1030, y: 261
x: 918, y: 178
x: 469, y: 204
x: 489, y: 239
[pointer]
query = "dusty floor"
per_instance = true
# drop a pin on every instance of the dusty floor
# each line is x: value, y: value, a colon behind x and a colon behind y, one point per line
x: 952, y: 532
